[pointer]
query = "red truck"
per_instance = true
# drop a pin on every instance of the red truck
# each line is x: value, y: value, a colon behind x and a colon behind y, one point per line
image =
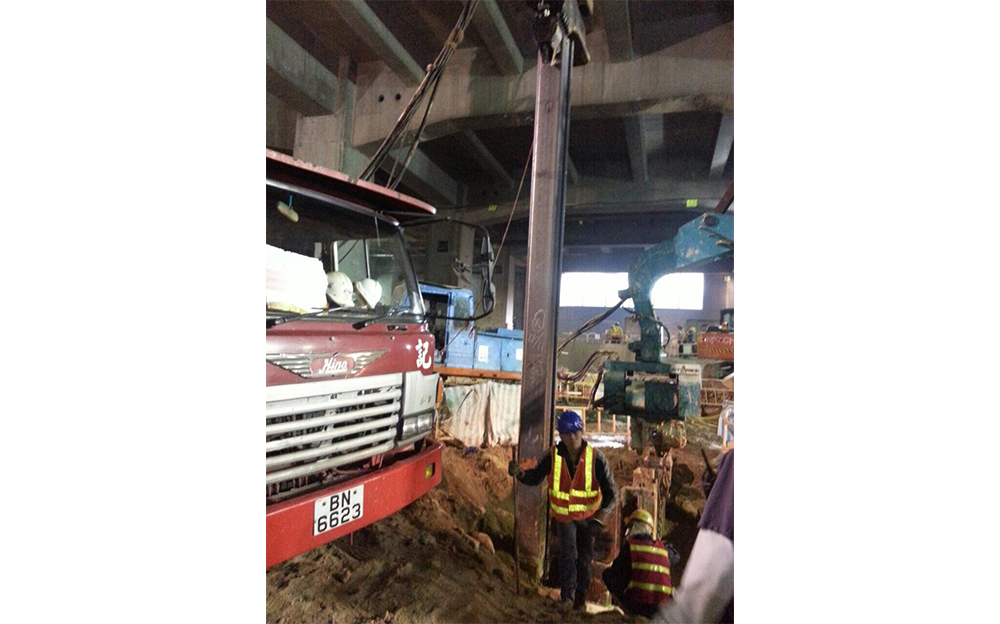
x: 351, y: 387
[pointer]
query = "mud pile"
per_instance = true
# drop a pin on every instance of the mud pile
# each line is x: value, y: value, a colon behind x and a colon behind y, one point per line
x: 447, y: 557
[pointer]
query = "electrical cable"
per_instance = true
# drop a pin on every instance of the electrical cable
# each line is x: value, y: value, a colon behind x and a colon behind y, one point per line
x: 651, y: 318
x: 590, y: 325
x: 586, y: 367
x: 510, y: 218
x: 347, y: 253
x: 392, y: 184
x: 433, y: 74
x: 597, y: 384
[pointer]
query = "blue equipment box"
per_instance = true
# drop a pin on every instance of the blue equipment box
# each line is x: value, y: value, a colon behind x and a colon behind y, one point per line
x: 489, y: 351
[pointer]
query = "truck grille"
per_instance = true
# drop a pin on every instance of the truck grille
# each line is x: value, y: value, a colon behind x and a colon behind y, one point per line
x: 316, y: 432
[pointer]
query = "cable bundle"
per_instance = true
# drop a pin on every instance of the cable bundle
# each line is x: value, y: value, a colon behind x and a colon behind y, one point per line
x: 592, y: 323
x: 431, y: 80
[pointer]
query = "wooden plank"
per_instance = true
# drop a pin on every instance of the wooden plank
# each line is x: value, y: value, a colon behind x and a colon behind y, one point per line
x: 449, y: 371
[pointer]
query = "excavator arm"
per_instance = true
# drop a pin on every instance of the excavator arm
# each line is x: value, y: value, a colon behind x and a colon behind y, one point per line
x: 698, y: 244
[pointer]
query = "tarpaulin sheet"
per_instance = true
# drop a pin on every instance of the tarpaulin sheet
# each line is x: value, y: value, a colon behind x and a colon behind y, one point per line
x: 504, y: 413
x: 488, y: 412
x: 466, y: 417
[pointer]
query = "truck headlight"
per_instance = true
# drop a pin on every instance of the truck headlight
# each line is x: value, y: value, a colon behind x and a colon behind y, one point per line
x: 415, y: 425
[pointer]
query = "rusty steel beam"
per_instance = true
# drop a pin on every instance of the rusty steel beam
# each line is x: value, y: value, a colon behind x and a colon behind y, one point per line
x: 726, y: 201
x: 545, y: 233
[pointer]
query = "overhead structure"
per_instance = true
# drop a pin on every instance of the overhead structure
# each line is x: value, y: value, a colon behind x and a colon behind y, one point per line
x: 723, y: 146
x: 369, y: 28
x: 492, y: 27
x: 650, y: 145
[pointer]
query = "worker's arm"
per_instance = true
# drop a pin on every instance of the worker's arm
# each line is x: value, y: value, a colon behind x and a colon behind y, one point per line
x: 609, y: 491
x: 707, y: 587
x: 534, y: 476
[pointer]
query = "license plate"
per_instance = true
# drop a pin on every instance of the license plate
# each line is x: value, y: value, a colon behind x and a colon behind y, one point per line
x: 338, y: 509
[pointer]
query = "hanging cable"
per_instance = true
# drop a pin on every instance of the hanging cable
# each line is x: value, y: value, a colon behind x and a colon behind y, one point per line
x: 586, y: 367
x: 510, y: 218
x: 594, y: 322
x: 392, y: 184
x: 433, y: 74
x: 651, y: 318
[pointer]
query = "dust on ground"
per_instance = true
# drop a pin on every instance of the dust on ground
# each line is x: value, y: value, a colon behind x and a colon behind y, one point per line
x: 447, y: 556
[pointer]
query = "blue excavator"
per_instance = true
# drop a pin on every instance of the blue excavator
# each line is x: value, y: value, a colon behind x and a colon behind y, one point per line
x: 650, y: 389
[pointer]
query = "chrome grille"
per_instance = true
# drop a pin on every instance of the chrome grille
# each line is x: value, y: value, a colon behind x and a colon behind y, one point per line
x: 318, y: 433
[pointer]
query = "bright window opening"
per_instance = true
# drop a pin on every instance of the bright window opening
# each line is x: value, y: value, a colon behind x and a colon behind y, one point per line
x: 677, y: 291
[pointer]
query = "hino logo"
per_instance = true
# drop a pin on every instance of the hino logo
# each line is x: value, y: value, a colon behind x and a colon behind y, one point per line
x: 310, y: 365
x: 336, y: 365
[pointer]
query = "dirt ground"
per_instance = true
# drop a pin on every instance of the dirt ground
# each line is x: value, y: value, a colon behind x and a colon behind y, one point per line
x: 447, y: 557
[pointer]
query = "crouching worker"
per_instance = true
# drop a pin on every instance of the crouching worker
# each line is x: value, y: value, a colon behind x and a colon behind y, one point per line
x: 582, y: 493
x: 640, y: 577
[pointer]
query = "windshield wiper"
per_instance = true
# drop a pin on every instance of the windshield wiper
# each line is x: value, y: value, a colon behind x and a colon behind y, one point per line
x: 285, y: 319
x: 375, y: 319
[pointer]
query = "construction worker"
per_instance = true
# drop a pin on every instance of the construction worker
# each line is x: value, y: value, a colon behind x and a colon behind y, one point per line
x: 706, y: 591
x: 616, y: 333
x: 640, y: 576
x: 582, y: 494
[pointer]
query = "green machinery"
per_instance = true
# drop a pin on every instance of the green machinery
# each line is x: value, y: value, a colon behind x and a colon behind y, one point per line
x: 649, y: 389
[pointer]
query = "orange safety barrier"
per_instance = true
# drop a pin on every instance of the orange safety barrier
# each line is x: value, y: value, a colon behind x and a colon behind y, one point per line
x: 716, y: 345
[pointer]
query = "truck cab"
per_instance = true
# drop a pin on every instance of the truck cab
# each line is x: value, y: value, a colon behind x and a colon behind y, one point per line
x: 351, y: 387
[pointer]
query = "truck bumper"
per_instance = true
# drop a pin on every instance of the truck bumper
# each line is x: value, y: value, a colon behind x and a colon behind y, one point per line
x: 290, y: 524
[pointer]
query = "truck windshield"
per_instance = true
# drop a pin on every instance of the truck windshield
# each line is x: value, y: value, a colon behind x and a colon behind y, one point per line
x: 321, y: 256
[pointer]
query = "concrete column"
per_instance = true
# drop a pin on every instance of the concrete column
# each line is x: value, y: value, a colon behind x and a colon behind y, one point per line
x: 320, y: 141
x: 281, y: 123
x: 326, y: 140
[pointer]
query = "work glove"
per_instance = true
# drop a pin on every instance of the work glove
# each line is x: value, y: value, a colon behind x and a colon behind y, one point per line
x: 514, y: 470
x: 673, y: 555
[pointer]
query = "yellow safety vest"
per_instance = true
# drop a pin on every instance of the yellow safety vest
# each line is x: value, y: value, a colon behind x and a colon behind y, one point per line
x: 576, y: 500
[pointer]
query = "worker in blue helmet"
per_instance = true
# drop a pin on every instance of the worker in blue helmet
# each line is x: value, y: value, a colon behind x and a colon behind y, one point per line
x: 582, y: 494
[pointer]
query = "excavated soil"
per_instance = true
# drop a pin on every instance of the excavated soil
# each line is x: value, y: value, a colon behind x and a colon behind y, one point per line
x: 447, y: 557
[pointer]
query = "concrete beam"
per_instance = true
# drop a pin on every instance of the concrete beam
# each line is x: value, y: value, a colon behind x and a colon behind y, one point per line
x: 637, y: 152
x: 613, y: 196
x: 723, y: 146
x: 491, y: 26
x: 654, y: 84
x: 297, y: 78
x: 618, y: 25
x: 652, y: 133
x: 571, y: 172
x: 321, y: 141
x: 370, y: 29
x: 483, y: 155
x: 424, y: 177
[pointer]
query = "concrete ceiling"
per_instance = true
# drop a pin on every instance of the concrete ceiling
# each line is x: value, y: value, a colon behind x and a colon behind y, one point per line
x: 652, y: 114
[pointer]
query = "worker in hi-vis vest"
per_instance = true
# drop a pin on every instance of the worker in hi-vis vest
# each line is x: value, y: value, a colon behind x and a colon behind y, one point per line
x: 640, y: 576
x: 582, y: 494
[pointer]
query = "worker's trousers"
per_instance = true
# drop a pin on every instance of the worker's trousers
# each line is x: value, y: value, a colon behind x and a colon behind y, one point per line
x: 576, y: 549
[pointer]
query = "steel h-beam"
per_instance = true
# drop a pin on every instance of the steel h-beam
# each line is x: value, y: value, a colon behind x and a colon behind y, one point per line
x: 545, y: 236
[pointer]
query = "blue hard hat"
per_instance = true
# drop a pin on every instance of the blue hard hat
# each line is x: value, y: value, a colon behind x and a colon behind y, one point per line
x: 569, y: 422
